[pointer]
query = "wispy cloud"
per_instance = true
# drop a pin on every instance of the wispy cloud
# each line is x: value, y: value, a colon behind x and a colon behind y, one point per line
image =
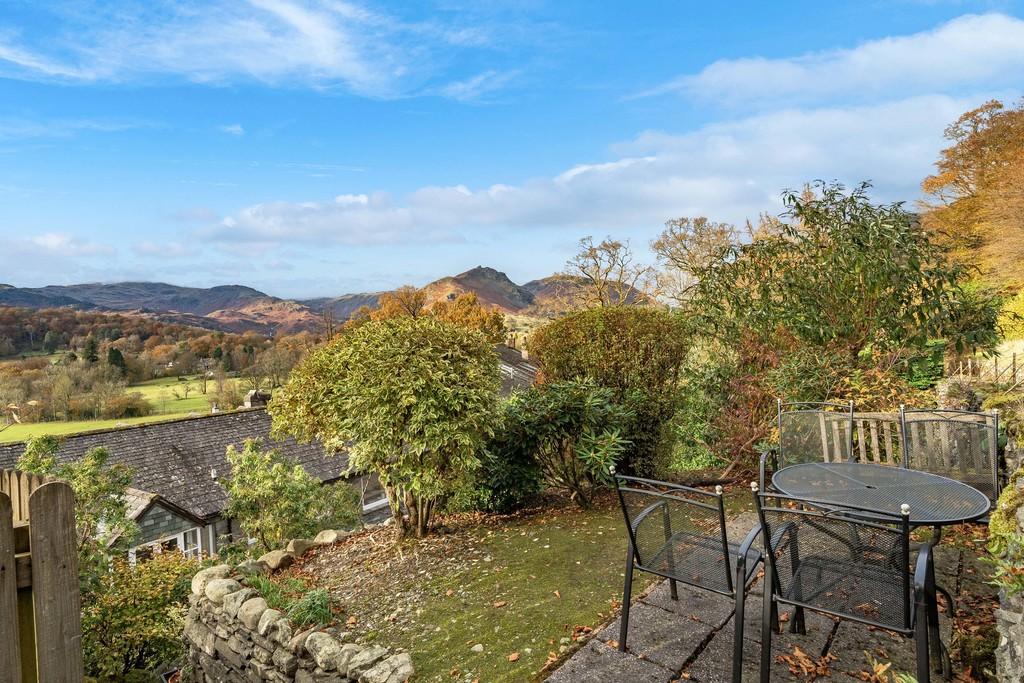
x: 477, y: 87
x: 64, y: 244
x: 21, y: 128
x: 235, y: 129
x: 730, y: 171
x: 321, y: 44
x: 960, y: 54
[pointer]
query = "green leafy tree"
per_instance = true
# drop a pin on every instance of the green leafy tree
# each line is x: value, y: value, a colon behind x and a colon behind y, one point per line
x: 104, y: 530
x: 275, y: 499
x: 843, y: 274
x: 133, y: 620
x: 51, y: 340
x: 412, y: 398
x: 90, y: 351
x: 115, y: 359
x: 636, y: 351
x: 574, y: 431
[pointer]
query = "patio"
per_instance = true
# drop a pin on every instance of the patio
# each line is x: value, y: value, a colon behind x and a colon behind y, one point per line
x: 691, y: 639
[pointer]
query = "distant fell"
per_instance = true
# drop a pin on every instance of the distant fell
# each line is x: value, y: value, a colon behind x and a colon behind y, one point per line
x: 492, y: 287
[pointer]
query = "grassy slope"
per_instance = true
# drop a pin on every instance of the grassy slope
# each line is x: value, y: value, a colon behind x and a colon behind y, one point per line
x: 578, y: 554
x: 20, y: 432
x: 156, y: 391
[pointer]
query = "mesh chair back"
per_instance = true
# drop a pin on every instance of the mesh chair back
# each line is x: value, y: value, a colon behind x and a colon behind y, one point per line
x: 677, y: 531
x: 960, y: 445
x: 837, y: 561
x: 815, y: 432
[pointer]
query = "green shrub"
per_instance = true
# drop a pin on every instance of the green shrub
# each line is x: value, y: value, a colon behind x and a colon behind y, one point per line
x: 275, y: 500
x: 509, y: 477
x: 312, y: 609
x: 638, y: 354
x: 133, y: 619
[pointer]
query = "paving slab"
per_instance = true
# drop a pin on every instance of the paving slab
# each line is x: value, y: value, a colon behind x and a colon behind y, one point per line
x: 666, y: 638
x: 599, y: 663
x: 706, y: 607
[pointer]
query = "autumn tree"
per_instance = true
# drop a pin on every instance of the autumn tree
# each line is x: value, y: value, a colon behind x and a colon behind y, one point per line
x: 406, y: 300
x: 684, y: 247
x: 465, y: 310
x: 975, y: 204
x: 411, y: 399
x: 609, y: 274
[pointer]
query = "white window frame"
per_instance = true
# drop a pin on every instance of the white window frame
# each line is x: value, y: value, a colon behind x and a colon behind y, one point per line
x: 188, y: 550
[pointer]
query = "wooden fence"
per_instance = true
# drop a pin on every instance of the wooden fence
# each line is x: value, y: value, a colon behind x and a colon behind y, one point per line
x: 40, y: 605
x: 1007, y: 370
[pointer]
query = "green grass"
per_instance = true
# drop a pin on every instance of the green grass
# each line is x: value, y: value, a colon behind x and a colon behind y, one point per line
x: 52, y: 357
x: 21, y: 432
x: 556, y: 572
x: 157, y: 391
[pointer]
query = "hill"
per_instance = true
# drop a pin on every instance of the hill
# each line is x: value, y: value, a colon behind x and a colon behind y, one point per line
x: 493, y: 288
x: 238, y: 308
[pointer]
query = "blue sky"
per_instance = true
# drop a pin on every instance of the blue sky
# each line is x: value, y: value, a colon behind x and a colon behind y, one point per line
x: 321, y: 147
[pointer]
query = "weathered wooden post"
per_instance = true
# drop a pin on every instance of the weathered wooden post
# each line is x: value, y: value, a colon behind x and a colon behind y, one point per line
x: 40, y: 604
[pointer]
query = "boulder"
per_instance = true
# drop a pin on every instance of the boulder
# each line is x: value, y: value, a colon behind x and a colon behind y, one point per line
x: 251, y: 611
x: 286, y: 662
x: 348, y: 651
x: 277, y: 559
x: 267, y: 621
x: 253, y: 567
x: 299, y: 546
x: 199, y: 581
x: 297, y: 645
x: 395, y: 669
x: 362, y: 661
x: 218, y: 589
x: 329, y: 536
x: 233, y: 601
x: 324, y: 650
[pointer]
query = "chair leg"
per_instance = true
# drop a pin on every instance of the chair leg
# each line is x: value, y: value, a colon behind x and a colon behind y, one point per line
x: 737, y: 636
x: 769, y: 621
x: 673, y: 591
x: 797, y: 624
x: 627, y: 593
x: 933, y: 618
x: 921, y: 644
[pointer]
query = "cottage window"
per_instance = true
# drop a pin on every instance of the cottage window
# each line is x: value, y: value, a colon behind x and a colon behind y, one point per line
x: 186, y: 542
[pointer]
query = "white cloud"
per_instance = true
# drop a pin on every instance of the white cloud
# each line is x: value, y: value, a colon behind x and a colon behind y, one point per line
x: 233, y: 129
x: 19, y: 128
x: 316, y: 44
x: 64, y: 244
x: 729, y: 171
x: 959, y: 54
x: 476, y: 87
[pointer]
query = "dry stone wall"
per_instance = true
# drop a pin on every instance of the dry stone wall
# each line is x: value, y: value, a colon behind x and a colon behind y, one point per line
x: 232, y: 635
x: 1010, y: 615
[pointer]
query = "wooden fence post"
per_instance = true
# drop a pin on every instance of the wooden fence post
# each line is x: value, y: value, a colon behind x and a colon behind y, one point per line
x: 10, y: 651
x: 55, y: 593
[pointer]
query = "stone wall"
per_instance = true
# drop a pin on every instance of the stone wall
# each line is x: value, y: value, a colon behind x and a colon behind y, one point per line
x: 232, y: 635
x: 1010, y: 615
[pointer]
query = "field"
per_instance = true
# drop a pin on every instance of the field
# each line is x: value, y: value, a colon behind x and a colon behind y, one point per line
x: 159, y: 392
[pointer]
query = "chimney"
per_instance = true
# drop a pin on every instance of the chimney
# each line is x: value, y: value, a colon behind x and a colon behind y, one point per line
x: 256, y: 399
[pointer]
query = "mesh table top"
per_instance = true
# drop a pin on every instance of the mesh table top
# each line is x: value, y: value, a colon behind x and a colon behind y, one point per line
x: 933, y: 500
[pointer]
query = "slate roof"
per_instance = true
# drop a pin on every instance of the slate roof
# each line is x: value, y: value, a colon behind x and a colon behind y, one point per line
x: 174, y: 459
x: 517, y: 373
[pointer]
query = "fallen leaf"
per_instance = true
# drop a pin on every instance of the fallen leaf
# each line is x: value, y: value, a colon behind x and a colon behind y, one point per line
x: 514, y: 657
x: 500, y: 603
x: 558, y: 594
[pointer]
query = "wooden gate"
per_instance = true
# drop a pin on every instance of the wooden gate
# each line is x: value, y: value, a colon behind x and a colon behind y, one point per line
x: 40, y: 604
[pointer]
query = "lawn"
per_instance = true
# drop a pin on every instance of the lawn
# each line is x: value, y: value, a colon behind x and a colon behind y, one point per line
x: 490, y: 598
x: 21, y: 432
x: 159, y: 392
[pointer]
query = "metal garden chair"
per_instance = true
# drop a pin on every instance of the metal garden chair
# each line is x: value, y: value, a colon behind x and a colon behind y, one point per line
x: 957, y: 444
x: 854, y: 564
x: 679, y: 533
x: 810, y: 432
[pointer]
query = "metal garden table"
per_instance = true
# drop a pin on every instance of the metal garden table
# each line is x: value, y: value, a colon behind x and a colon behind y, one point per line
x: 934, y: 500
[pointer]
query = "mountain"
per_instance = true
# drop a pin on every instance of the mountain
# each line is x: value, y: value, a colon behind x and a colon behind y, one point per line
x: 158, y: 296
x: 493, y: 288
x: 237, y: 308
x: 342, y: 307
